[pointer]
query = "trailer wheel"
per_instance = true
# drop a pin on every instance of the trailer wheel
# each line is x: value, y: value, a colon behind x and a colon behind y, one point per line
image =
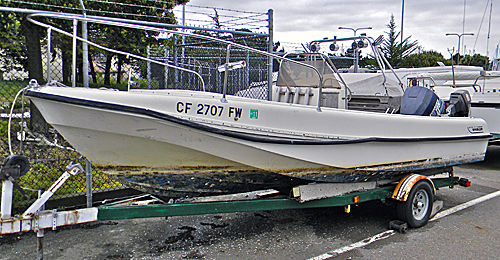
x: 416, y: 210
x: 21, y: 161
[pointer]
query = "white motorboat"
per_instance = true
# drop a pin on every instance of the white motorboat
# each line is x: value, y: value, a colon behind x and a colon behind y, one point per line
x: 180, y: 142
x: 169, y: 130
x: 462, y: 71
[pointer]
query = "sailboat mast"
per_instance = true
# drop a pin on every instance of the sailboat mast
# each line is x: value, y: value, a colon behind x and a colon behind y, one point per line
x: 489, y: 28
x: 402, y: 18
x: 463, y: 26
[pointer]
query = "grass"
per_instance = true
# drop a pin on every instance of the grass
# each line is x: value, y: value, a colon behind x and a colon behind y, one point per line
x: 142, y: 83
x: 47, y: 163
x: 9, y: 89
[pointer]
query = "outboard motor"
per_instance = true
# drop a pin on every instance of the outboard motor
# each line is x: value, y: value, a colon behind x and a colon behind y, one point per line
x: 420, y: 101
x: 459, y: 103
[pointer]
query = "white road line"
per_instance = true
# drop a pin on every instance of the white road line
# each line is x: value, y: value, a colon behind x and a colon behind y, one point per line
x: 465, y: 205
x: 389, y: 233
x: 358, y: 244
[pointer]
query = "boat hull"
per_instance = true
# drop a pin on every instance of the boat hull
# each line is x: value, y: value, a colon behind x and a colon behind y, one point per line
x: 487, y: 107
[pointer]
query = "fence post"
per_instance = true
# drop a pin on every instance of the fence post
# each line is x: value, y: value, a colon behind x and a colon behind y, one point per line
x: 49, y: 55
x: 167, y: 54
x: 176, y: 63
x: 270, y: 59
x: 183, y: 51
x: 226, y: 71
x: 73, y: 74
x: 247, y: 71
x: 88, y: 176
x: 188, y: 65
x: 149, y: 66
x: 85, y: 49
x: 40, y: 233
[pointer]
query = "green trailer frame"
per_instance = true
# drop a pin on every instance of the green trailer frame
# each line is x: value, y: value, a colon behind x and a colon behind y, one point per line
x: 185, y: 209
x: 36, y: 220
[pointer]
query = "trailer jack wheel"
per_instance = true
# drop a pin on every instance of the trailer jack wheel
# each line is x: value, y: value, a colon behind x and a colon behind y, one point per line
x: 416, y: 210
x: 399, y: 226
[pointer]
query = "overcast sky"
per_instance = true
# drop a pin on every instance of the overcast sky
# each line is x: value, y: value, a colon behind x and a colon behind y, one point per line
x: 427, y: 21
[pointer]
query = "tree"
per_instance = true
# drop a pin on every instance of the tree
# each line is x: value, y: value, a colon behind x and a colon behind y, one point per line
x: 126, y: 39
x: 29, y: 51
x: 19, y: 44
x: 394, y: 51
x: 30, y: 35
x: 216, y: 20
x: 423, y: 59
x: 476, y: 60
x: 12, y: 51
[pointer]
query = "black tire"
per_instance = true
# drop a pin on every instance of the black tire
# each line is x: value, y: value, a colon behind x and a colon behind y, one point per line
x: 21, y: 161
x: 416, y: 210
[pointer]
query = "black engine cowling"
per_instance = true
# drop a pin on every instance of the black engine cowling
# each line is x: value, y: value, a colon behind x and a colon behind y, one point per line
x: 459, y: 103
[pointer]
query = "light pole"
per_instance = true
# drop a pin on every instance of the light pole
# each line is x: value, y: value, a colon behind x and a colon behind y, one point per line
x: 356, y: 53
x: 459, y: 37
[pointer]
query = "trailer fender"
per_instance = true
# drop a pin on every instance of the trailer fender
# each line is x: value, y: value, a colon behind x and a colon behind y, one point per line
x: 406, y: 184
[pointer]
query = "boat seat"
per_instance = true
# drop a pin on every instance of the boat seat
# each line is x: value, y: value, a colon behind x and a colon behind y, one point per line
x: 381, y: 104
x: 292, y: 95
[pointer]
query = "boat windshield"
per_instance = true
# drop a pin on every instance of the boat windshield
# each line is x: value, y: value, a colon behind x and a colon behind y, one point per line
x: 293, y: 74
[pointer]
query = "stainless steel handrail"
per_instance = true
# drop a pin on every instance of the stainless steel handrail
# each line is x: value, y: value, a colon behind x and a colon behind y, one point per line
x: 483, y: 75
x: 127, y: 54
x: 150, y: 28
x: 381, y: 60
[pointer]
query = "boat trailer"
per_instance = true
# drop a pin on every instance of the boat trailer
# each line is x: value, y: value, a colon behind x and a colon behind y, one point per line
x: 414, y: 195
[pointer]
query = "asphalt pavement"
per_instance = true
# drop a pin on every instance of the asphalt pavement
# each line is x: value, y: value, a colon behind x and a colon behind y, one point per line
x: 471, y: 233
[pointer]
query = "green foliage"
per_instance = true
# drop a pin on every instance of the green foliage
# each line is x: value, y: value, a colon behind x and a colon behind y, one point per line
x: 9, y: 91
x: 4, y: 127
x: 43, y: 175
x: 367, y: 61
x: 423, y: 59
x: 126, y: 39
x: 394, y: 51
x: 123, y: 86
x: 475, y: 60
x: 15, y: 31
x: 403, y: 54
x: 12, y: 49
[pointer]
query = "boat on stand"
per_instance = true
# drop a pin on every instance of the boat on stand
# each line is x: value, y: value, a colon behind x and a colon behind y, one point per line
x: 178, y: 143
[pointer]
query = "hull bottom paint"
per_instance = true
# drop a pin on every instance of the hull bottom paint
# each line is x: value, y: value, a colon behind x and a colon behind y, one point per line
x: 207, y: 181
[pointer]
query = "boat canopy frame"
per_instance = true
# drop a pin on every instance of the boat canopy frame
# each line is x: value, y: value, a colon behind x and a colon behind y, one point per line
x: 127, y: 24
x: 382, y: 62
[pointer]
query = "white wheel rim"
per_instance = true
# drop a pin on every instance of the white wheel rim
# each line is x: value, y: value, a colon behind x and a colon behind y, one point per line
x: 420, y: 204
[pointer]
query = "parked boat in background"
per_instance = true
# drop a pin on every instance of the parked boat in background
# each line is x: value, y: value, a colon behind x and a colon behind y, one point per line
x: 483, y: 87
x: 407, y: 74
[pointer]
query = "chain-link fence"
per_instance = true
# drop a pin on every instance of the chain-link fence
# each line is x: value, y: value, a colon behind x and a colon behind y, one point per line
x: 206, y: 58
x: 47, y: 150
